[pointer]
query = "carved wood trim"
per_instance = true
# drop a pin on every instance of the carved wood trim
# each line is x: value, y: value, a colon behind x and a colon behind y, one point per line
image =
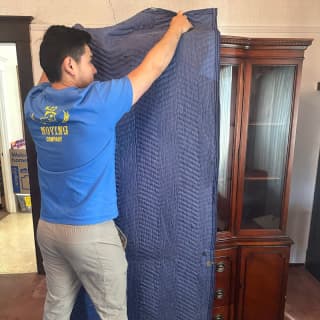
x: 251, y: 43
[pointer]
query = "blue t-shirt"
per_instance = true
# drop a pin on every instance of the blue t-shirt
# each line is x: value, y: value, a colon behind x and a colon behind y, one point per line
x: 74, y: 133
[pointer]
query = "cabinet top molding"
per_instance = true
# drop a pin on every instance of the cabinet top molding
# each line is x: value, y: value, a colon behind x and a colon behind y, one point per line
x: 265, y: 43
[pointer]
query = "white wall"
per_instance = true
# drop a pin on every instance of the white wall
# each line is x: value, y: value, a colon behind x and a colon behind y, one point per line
x: 273, y: 18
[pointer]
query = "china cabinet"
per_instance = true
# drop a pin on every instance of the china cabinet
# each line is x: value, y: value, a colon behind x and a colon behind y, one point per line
x: 259, y: 90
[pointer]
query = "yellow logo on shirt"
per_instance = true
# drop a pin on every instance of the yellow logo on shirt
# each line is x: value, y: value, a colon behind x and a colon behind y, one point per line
x: 66, y: 116
x: 50, y: 114
x: 53, y: 133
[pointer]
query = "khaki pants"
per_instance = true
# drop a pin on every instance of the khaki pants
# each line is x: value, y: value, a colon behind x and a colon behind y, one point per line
x: 90, y: 255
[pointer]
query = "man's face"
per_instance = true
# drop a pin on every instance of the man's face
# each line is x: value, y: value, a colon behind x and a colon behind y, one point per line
x: 86, y: 70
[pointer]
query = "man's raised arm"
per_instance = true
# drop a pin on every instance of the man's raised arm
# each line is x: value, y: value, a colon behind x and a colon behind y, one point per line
x: 159, y: 57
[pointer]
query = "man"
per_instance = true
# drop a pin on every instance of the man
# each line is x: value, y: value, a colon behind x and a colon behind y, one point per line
x: 72, y: 121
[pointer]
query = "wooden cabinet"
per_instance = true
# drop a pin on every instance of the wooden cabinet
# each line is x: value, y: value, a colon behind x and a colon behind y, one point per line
x: 262, y: 282
x: 259, y: 90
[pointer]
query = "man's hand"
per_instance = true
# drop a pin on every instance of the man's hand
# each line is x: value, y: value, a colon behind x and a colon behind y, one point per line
x: 181, y: 23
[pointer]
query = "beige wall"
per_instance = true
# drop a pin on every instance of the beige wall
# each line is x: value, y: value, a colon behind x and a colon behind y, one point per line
x: 232, y: 12
x: 273, y: 18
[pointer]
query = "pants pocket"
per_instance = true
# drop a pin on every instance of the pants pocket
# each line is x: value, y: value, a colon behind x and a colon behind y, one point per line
x: 123, y: 237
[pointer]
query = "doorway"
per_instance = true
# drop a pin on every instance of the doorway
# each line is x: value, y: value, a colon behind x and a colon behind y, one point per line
x: 14, y: 31
x: 313, y: 254
x: 16, y: 228
x: 11, y: 128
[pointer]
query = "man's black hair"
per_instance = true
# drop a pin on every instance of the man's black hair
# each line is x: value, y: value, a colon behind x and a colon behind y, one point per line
x: 58, y: 43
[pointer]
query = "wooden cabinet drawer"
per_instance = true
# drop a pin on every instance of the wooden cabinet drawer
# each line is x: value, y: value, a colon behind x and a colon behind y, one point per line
x: 225, y: 262
x: 220, y: 313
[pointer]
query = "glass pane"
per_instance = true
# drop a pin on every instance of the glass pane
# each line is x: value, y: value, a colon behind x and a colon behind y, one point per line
x: 228, y: 92
x: 267, y: 143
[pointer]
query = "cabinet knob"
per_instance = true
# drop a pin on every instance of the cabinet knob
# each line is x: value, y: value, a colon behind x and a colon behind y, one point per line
x: 219, y: 317
x: 220, y: 267
x: 219, y: 294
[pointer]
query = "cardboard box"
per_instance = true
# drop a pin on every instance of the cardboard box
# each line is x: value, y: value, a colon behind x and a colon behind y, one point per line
x: 24, y: 201
x: 19, y: 169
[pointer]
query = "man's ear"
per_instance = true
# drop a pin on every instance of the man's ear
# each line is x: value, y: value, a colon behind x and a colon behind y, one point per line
x: 68, y: 65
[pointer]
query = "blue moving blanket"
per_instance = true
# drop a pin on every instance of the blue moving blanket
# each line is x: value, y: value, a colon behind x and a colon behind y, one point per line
x: 167, y: 167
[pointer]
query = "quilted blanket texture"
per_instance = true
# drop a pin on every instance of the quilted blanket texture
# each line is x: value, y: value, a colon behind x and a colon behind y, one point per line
x: 166, y: 166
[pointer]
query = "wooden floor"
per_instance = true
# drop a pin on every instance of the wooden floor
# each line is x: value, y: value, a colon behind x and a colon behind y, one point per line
x: 303, y: 295
x: 22, y: 296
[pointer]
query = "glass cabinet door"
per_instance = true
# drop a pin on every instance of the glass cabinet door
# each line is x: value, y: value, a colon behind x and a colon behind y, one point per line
x: 271, y: 99
x: 228, y: 93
